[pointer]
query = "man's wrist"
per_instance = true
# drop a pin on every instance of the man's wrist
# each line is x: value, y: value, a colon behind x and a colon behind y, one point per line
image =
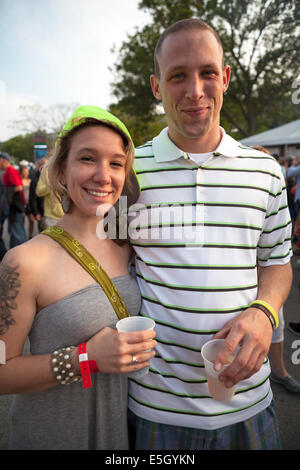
x: 268, y: 310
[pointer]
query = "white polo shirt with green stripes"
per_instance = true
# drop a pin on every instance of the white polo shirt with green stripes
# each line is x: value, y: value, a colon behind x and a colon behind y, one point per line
x: 198, y: 230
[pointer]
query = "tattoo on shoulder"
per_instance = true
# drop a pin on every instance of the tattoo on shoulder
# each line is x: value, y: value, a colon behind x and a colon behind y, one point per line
x: 9, y: 288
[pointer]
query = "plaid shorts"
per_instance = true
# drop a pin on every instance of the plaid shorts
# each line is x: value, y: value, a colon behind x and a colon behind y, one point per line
x: 257, y: 433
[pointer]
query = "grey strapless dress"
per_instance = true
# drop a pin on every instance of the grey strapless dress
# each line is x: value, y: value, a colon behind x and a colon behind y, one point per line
x: 68, y: 416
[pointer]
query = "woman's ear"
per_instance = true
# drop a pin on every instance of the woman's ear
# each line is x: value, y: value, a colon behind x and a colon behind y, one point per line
x: 62, y: 178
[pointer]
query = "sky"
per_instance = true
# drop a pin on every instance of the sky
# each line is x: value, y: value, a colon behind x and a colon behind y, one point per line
x: 59, y: 51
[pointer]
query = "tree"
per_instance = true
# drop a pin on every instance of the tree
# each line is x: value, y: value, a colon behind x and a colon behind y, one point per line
x: 19, y: 147
x: 261, y: 40
x: 46, y: 121
x: 140, y: 130
x: 34, y: 119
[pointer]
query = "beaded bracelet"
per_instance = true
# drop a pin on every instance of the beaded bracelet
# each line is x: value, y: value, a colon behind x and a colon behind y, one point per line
x: 62, y: 367
x: 268, y: 310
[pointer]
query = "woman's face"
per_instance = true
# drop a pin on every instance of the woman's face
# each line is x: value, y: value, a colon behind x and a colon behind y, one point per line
x: 94, y: 173
x: 25, y: 172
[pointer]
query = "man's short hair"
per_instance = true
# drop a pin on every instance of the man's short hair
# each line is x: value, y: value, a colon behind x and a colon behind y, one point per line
x: 185, y: 24
x: 5, y: 156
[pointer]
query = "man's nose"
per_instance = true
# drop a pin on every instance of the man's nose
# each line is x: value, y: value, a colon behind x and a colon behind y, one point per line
x: 195, y: 89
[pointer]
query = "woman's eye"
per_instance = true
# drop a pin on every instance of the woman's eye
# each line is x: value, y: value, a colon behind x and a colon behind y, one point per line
x: 117, y: 164
x: 86, y: 159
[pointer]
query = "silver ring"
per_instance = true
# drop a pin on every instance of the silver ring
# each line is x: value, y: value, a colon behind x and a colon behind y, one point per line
x: 134, y: 360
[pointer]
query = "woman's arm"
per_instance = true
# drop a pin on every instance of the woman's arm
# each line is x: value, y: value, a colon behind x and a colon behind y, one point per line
x: 17, y: 310
x: 24, y: 374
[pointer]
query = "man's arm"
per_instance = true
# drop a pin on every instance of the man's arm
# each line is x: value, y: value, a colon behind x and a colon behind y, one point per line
x: 252, y: 328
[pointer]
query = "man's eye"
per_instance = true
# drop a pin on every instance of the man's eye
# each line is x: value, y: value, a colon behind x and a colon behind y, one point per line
x: 177, y: 76
x: 209, y: 73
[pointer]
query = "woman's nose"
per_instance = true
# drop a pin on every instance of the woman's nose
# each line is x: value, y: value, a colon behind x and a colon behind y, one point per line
x: 102, y: 174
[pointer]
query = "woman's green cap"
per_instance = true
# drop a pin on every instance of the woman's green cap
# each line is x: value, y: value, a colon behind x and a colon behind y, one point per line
x: 85, y: 112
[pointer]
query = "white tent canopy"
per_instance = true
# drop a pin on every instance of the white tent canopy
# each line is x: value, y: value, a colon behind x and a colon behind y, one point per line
x: 288, y: 134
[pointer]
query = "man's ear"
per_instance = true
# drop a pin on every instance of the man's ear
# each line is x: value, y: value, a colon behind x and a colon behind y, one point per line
x: 154, y: 81
x: 226, y: 78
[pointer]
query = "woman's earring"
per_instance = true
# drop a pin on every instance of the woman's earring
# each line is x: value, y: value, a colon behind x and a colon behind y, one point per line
x: 65, y: 202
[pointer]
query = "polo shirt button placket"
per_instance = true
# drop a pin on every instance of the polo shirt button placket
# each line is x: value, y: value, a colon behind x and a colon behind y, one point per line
x: 200, y: 208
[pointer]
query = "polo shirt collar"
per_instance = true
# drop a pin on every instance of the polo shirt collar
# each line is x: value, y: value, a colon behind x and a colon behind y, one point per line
x: 165, y: 150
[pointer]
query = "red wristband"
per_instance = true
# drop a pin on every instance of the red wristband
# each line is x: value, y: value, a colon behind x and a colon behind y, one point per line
x: 94, y: 367
x: 84, y: 366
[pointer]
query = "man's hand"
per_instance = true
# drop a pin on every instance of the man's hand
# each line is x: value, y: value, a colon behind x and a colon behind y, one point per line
x: 251, y: 330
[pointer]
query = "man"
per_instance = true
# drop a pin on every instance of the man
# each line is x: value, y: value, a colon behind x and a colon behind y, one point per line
x: 208, y: 209
x: 16, y: 201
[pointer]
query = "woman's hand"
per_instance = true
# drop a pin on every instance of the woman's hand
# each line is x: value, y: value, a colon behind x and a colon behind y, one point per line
x: 114, y: 351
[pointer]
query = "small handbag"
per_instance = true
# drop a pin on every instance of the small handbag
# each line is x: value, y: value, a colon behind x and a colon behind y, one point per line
x: 88, y: 262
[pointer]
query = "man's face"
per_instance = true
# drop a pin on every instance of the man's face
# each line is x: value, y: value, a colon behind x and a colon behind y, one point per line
x: 191, y: 86
x: 4, y: 164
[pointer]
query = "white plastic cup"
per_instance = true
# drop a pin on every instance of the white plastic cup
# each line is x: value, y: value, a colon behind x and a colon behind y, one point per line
x: 129, y: 324
x: 217, y: 389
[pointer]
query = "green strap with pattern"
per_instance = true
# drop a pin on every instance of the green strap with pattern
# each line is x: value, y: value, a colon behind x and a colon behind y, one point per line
x: 88, y: 262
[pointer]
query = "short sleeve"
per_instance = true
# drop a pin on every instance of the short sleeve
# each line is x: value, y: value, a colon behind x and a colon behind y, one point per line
x: 274, y: 246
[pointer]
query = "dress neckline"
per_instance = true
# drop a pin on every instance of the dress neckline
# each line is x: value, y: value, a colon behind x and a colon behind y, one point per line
x: 82, y: 289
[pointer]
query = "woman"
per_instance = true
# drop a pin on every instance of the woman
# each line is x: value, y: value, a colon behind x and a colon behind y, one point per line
x: 53, y: 300
x: 26, y: 185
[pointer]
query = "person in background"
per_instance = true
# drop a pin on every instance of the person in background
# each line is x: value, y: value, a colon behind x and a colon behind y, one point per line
x: 4, y: 213
x: 26, y: 181
x: 279, y: 373
x: 53, y: 210
x: 201, y: 280
x: 294, y: 327
x: 36, y: 204
x: 16, y: 201
x: 283, y: 165
x: 59, y: 305
x: 294, y: 172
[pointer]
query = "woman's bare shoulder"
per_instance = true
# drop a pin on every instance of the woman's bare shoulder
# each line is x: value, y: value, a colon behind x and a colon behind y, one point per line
x: 30, y: 256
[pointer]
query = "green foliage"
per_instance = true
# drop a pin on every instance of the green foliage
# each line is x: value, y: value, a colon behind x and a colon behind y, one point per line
x: 261, y: 40
x: 141, y: 130
x: 19, y: 147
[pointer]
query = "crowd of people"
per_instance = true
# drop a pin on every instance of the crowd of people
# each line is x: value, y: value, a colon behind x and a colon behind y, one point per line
x: 227, y: 276
x: 24, y: 194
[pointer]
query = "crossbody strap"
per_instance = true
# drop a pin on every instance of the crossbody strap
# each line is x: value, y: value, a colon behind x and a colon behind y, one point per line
x: 88, y: 262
